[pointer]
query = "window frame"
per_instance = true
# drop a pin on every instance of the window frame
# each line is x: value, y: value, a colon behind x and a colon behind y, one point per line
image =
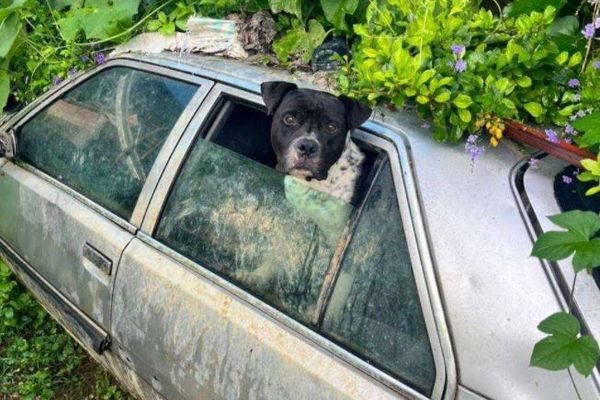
x: 399, y: 157
x: 34, y: 109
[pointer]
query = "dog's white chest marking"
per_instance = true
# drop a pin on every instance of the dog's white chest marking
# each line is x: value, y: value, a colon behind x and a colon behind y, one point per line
x: 343, y: 175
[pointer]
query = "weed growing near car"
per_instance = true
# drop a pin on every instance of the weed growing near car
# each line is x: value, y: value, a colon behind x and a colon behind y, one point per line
x: 38, y: 360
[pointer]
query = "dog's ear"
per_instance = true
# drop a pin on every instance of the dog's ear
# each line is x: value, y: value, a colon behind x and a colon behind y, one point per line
x: 356, y: 112
x: 273, y: 92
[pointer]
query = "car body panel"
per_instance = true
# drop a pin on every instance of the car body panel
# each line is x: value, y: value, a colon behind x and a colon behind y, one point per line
x: 211, y: 344
x: 50, y: 228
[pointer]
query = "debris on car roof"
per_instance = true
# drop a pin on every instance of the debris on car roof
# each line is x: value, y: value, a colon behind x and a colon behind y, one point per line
x: 204, y: 35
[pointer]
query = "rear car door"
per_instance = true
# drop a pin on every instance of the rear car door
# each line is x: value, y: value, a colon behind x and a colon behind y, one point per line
x: 88, y: 157
x: 234, y: 288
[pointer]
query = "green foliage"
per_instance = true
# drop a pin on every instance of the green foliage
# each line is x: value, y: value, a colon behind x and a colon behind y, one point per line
x: 564, y: 346
x: 511, y: 67
x: 298, y: 42
x: 336, y: 11
x: 11, y: 32
x: 98, y: 19
x: 591, y: 173
x: 590, y: 127
x: 581, y: 227
x: 38, y: 360
x: 520, y: 7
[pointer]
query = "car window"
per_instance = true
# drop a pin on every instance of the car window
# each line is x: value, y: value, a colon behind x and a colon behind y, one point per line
x: 102, y: 137
x: 233, y: 213
x: 248, y: 222
x: 374, y: 308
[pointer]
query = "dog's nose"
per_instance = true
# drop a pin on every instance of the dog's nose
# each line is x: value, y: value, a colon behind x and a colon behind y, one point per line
x: 307, y: 148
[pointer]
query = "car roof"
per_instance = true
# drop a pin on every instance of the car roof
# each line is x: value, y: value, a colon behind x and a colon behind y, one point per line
x: 494, y: 292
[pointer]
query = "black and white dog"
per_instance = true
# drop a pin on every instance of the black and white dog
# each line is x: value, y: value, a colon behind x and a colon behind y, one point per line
x: 310, y: 135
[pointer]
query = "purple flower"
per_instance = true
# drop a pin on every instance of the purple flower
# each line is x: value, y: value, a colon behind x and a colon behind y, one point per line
x: 460, y: 66
x: 597, y: 64
x: 458, y: 49
x: 573, y: 83
x: 569, y: 130
x: 84, y: 57
x: 99, y: 58
x: 551, y: 136
x: 472, y: 149
x: 56, y: 80
x: 589, y: 31
x: 567, y: 179
x: 533, y: 163
x: 72, y: 72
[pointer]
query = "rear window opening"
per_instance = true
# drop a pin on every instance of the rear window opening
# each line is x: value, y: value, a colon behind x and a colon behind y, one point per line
x: 570, y: 195
x: 254, y: 140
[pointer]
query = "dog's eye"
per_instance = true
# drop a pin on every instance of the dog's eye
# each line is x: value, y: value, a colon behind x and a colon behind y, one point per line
x: 331, y: 127
x: 289, y: 120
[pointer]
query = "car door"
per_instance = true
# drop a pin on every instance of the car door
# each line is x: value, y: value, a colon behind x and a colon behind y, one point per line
x: 88, y: 157
x: 234, y: 290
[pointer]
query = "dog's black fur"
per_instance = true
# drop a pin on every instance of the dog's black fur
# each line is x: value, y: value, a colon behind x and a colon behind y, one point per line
x: 310, y: 128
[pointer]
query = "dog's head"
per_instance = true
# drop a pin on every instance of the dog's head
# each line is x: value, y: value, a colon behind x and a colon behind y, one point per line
x: 310, y: 127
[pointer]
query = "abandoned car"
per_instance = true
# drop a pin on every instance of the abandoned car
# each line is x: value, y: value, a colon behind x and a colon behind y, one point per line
x: 140, y: 204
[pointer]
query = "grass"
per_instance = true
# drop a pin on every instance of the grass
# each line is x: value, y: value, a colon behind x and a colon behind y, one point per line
x: 38, y: 359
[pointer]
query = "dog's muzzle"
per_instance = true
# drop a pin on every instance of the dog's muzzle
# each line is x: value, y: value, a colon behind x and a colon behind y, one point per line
x: 303, y: 158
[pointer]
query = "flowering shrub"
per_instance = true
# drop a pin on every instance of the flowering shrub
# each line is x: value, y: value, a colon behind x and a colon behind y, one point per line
x: 459, y: 65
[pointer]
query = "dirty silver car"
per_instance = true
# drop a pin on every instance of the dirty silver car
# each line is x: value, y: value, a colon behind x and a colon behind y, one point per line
x: 139, y: 203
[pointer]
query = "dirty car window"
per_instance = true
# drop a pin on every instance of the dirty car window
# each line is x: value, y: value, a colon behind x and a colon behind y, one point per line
x: 102, y: 137
x: 267, y: 232
x: 375, y: 308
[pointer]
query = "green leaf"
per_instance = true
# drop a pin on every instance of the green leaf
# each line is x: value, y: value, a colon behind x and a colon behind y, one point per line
x: 560, y: 323
x: 336, y: 10
x: 154, y: 25
x: 99, y: 19
x: 593, y: 190
x: 300, y: 43
x: 462, y: 101
x: 443, y: 97
x: 562, y: 58
x: 524, y: 81
x: 590, y: 126
x: 581, y: 227
x: 9, y: 30
x: 563, y: 347
x: 575, y: 59
x: 555, y: 246
x: 425, y: 76
x: 464, y: 115
x: 533, y: 108
x: 422, y: 99
x: 587, y: 255
x: 583, y: 223
x: 293, y: 7
x: 14, y: 6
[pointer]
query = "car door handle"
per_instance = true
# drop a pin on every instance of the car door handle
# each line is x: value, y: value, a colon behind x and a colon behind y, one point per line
x: 98, y: 259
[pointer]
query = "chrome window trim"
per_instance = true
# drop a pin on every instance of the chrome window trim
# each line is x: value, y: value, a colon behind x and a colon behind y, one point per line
x: 400, y: 160
x: 203, y: 88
